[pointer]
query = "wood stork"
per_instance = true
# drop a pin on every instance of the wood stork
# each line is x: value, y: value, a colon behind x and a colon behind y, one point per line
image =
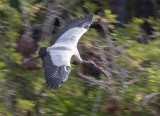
x: 56, y: 58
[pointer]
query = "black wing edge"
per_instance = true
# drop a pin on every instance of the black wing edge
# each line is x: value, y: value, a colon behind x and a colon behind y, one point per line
x: 54, y: 75
x: 78, y: 22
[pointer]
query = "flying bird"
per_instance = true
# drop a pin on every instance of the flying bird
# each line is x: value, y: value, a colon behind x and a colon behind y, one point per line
x: 56, y: 58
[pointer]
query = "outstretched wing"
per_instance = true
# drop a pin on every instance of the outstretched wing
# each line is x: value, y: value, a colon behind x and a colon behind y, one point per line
x: 54, y: 75
x: 83, y: 24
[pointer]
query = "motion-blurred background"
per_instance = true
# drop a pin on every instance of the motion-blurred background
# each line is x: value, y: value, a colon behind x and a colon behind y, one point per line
x: 123, y: 40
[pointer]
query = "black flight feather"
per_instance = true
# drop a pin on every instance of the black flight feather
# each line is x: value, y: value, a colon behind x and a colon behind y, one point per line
x: 74, y: 23
x: 54, y: 75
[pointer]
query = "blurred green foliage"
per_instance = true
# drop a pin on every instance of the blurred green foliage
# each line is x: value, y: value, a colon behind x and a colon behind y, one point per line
x: 24, y: 92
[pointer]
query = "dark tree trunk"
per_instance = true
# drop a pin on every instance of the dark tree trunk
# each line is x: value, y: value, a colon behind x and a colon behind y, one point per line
x: 120, y: 8
x: 144, y: 8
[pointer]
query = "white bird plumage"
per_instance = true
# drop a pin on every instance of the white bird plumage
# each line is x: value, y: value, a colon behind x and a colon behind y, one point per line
x: 66, y: 46
x: 56, y: 58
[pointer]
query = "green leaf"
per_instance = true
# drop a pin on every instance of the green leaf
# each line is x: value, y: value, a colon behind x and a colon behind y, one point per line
x: 25, y: 104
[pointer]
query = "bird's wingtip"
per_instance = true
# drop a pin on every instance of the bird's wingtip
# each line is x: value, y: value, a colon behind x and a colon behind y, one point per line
x: 90, y: 16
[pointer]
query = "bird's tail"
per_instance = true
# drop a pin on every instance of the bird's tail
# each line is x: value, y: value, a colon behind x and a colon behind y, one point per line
x: 41, y: 53
x: 27, y: 60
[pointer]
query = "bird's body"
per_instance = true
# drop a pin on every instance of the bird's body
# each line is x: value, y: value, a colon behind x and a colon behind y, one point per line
x: 56, y: 58
x: 66, y: 46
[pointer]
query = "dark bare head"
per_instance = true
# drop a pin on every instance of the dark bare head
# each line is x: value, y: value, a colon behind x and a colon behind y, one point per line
x: 92, y: 65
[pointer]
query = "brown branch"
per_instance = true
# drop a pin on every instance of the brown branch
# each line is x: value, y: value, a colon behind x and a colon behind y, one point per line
x: 148, y: 98
x: 131, y: 81
x: 28, y: 33
x: 49, y: 20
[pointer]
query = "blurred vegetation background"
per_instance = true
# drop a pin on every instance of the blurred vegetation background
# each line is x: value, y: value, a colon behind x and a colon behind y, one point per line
x: 123, y: 40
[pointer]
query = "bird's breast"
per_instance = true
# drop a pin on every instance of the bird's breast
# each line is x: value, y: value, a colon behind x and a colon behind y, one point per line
x: 61, y: 55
